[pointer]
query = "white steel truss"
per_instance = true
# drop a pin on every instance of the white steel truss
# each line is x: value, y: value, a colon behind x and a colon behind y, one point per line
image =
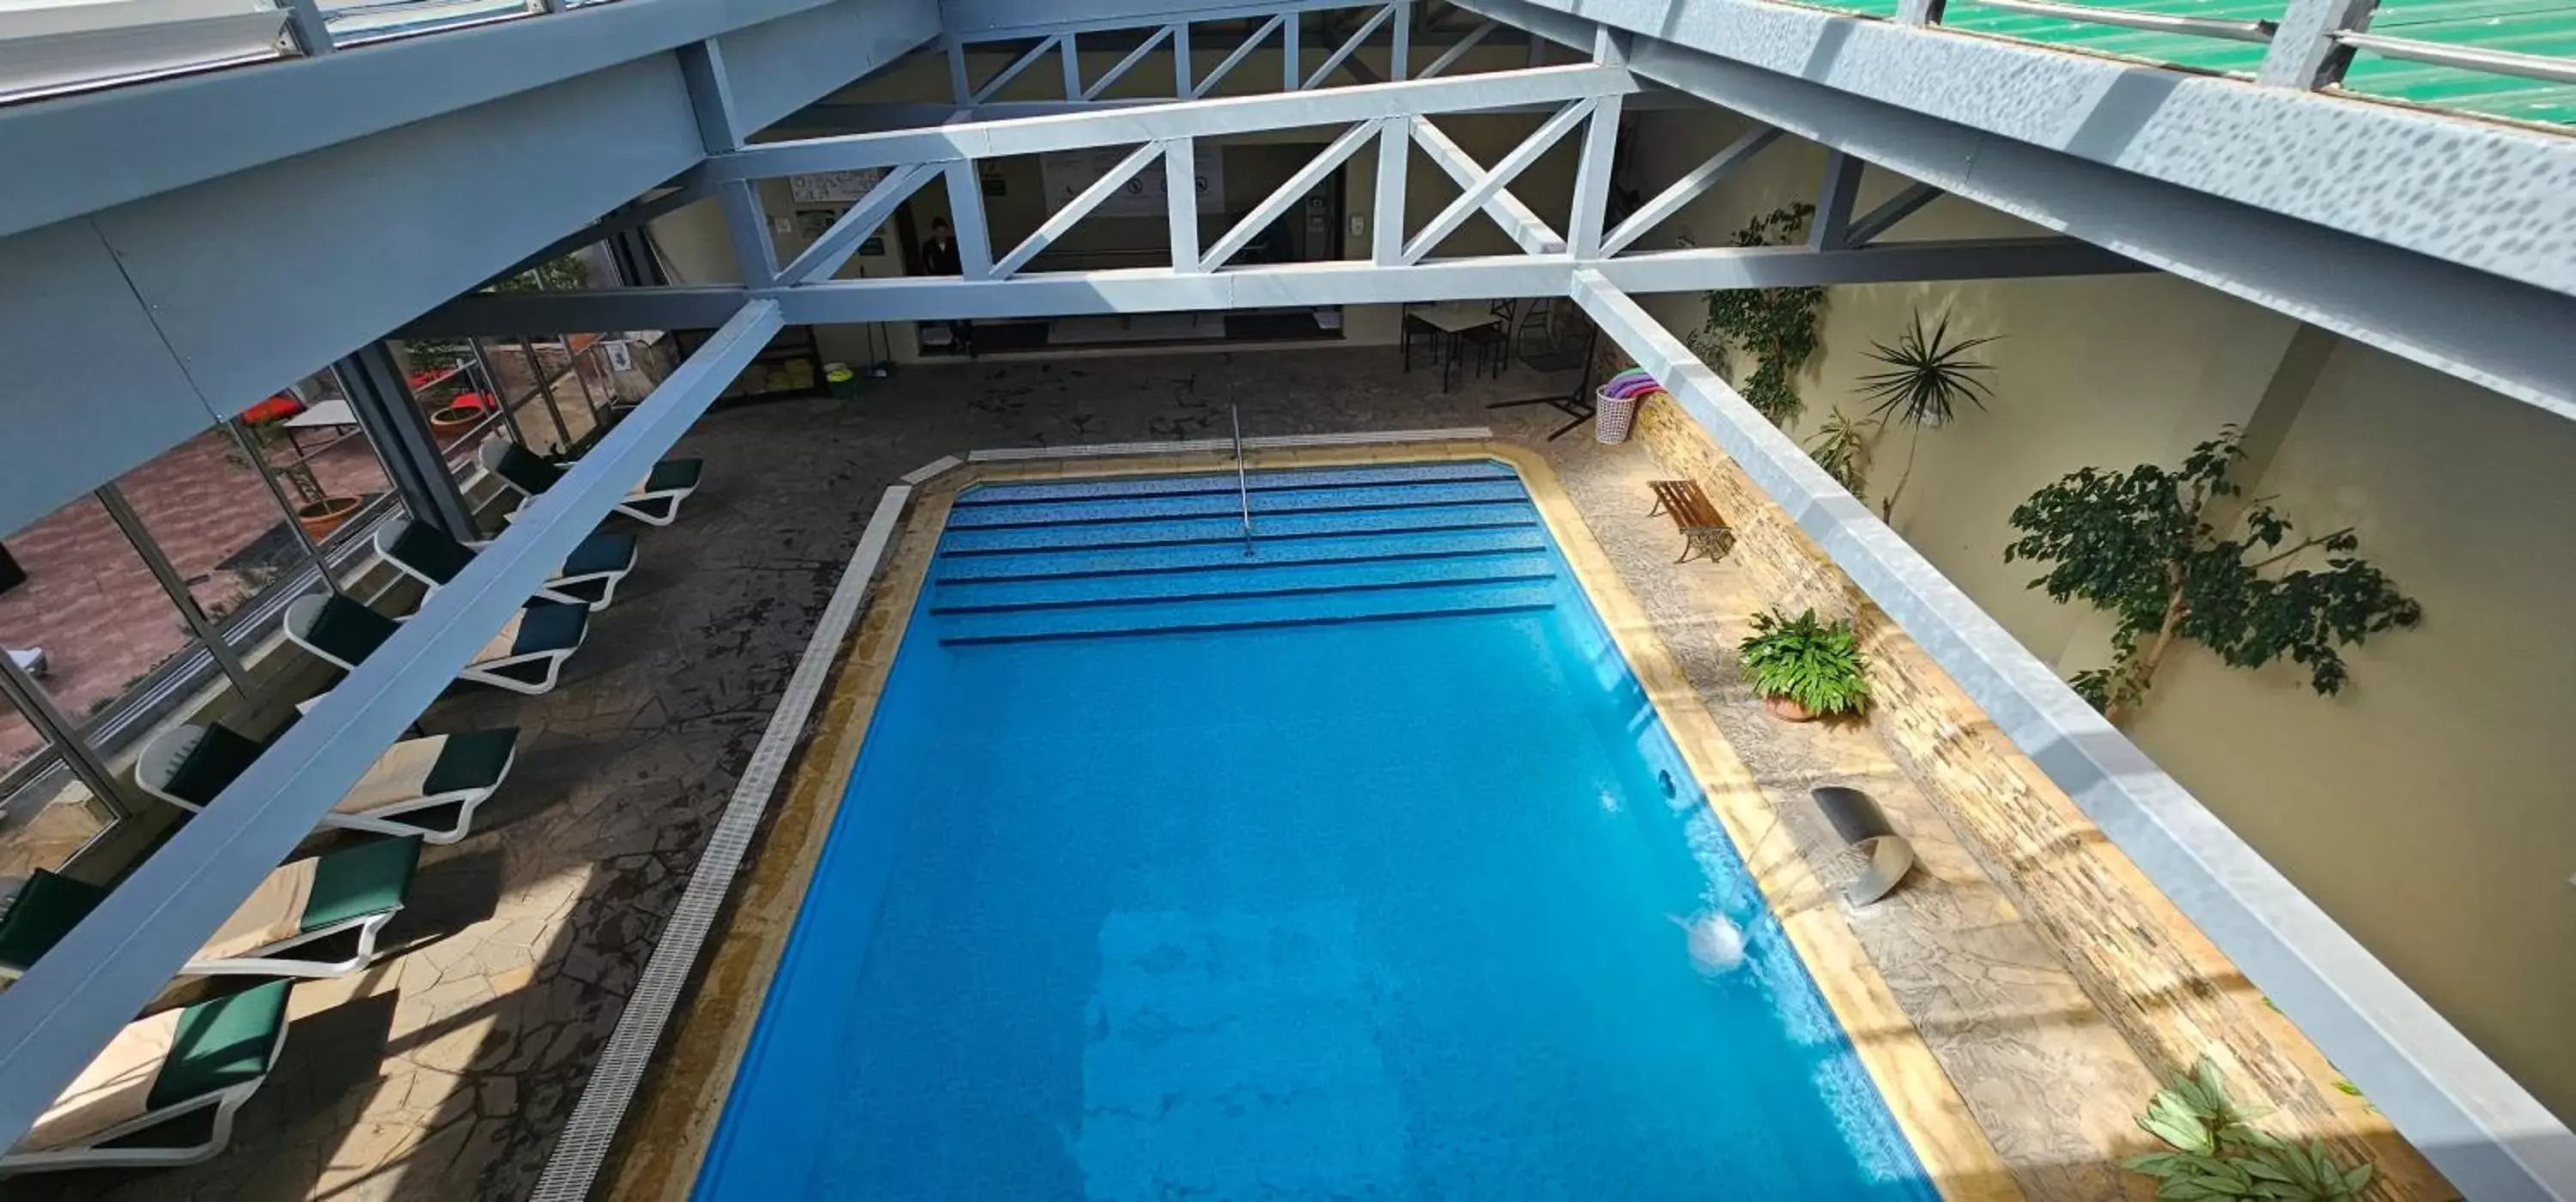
x: 1402, y: 266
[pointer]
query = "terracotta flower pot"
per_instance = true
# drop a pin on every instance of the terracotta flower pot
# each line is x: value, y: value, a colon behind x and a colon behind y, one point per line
x: 1787, y: 709
x: 454, y: 418
x: 322, y: 517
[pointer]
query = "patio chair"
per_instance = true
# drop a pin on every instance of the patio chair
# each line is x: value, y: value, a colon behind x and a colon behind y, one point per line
x: 188, y: 765
x: 588, y: 578
x: 356, y: 889
x: 656, y: 501
x: 165, y: 1067
x: 527, y: 656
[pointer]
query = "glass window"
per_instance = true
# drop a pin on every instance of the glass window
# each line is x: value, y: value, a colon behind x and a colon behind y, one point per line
x: 46, y: 816
x: 90, y: 609
x: 539, y: 395
x: 221, y: 526
x: 308, y: 439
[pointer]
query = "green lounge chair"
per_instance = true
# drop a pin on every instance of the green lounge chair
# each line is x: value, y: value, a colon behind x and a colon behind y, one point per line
x: 655, y: 501
x: 356, y: 889
x: 588, y: 578
x: 168, y: 1066
x: 527, y: 656
x: 188, y: 765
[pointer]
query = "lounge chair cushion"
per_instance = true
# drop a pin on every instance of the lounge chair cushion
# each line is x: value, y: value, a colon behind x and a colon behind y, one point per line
x: 222, y: 1043
x: 43, y: 911
x: 673, y: 474
x: 603, y: 552
x: 473, y: 760
x: 219, y: 758
x: 354, y: 882
x: 430, y: 551
x: 348, y: 630
x: 548, y: 627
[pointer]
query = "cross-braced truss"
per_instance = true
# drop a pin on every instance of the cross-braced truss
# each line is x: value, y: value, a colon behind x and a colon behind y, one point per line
x: 1397, y: 117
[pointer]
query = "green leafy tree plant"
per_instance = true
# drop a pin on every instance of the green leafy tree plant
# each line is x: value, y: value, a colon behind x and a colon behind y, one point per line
x: 1778, y: 327
x: 1929, y: 377
x: 2218, y: 1153
x: 1804, y: 668
x: 1842, y: 449
x: 2142, y: 545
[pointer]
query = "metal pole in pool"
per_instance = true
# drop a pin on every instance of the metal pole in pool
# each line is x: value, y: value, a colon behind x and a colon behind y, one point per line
x: 1242, y: 482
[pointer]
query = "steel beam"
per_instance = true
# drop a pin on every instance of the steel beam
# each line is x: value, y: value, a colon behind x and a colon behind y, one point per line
x: 1687, y: 189
x: 1079, y: 207
x: 1458, y: 50
x: 841, y: 239
x: 1181, y: 202
x: 1226, y: 65
x: 1182, y: 119
x: 1351, y: 45
x: 1832, y: 224
x: 978, y: 21
x: 966, y: 217
x: 393, y: 421
x: 1120, y: 69
x: 2451, y: 317
x: 1288, y: 193
x: 1524, y: 225
x: 509, y: 314
x: 1592, y: 170
x: 75, y: 999
x: 2479, y: 194
x: 2482, y: 1130
x: 1003, y: 77
x: 1491, y: 183
x: 1869, y: 226
x: 1332, y: 282
x: 1394, y: 164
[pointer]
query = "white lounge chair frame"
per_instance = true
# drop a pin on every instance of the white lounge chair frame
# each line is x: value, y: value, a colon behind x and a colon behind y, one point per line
x: 634, y: 504
x: 159, y: 761
x: 551, y: 590
x: 88, y: 1155
x: 494, y: 671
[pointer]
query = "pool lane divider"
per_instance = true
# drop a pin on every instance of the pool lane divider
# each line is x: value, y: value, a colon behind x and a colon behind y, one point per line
x: 583, y: 1145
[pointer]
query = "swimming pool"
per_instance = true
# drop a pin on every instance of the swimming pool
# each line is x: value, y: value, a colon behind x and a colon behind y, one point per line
x: 1358, y: 867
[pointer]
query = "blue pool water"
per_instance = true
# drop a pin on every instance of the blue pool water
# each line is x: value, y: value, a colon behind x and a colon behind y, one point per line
x: 1356, y: 869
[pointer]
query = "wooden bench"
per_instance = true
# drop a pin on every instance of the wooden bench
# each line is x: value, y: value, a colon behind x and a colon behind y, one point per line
x: 1703, y: 531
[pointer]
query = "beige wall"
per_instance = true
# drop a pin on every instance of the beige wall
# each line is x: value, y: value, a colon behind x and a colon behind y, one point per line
x: 2429, y: 808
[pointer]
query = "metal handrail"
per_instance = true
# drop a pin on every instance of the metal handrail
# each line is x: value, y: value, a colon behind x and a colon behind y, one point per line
x: 2554, y: 68
x: 2258, y: 32
x: 1242, y: 481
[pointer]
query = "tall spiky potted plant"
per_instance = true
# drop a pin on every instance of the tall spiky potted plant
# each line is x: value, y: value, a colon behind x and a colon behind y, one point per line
x: 1929, y: 377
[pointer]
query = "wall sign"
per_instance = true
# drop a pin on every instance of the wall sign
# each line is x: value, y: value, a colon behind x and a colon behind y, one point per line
x: 825, y: 187
x: 1067, y: 173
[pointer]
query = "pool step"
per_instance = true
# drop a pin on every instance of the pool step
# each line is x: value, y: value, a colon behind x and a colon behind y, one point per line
x: 1131, y: 510
x: 1273, y: 581
x: 1237, y: 613
x: 1224, y: 482
x: 1228, y: 528
x: 1227, y: 554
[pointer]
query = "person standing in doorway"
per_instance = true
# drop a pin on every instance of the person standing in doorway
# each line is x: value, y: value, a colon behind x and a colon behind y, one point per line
x: 939, y: 257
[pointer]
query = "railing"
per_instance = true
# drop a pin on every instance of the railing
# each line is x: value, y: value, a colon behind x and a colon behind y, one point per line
x: 2424, y: 51
x: 1242, y: 480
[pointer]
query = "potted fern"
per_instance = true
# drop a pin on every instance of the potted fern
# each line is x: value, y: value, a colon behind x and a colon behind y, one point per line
x: 1803, y: 668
